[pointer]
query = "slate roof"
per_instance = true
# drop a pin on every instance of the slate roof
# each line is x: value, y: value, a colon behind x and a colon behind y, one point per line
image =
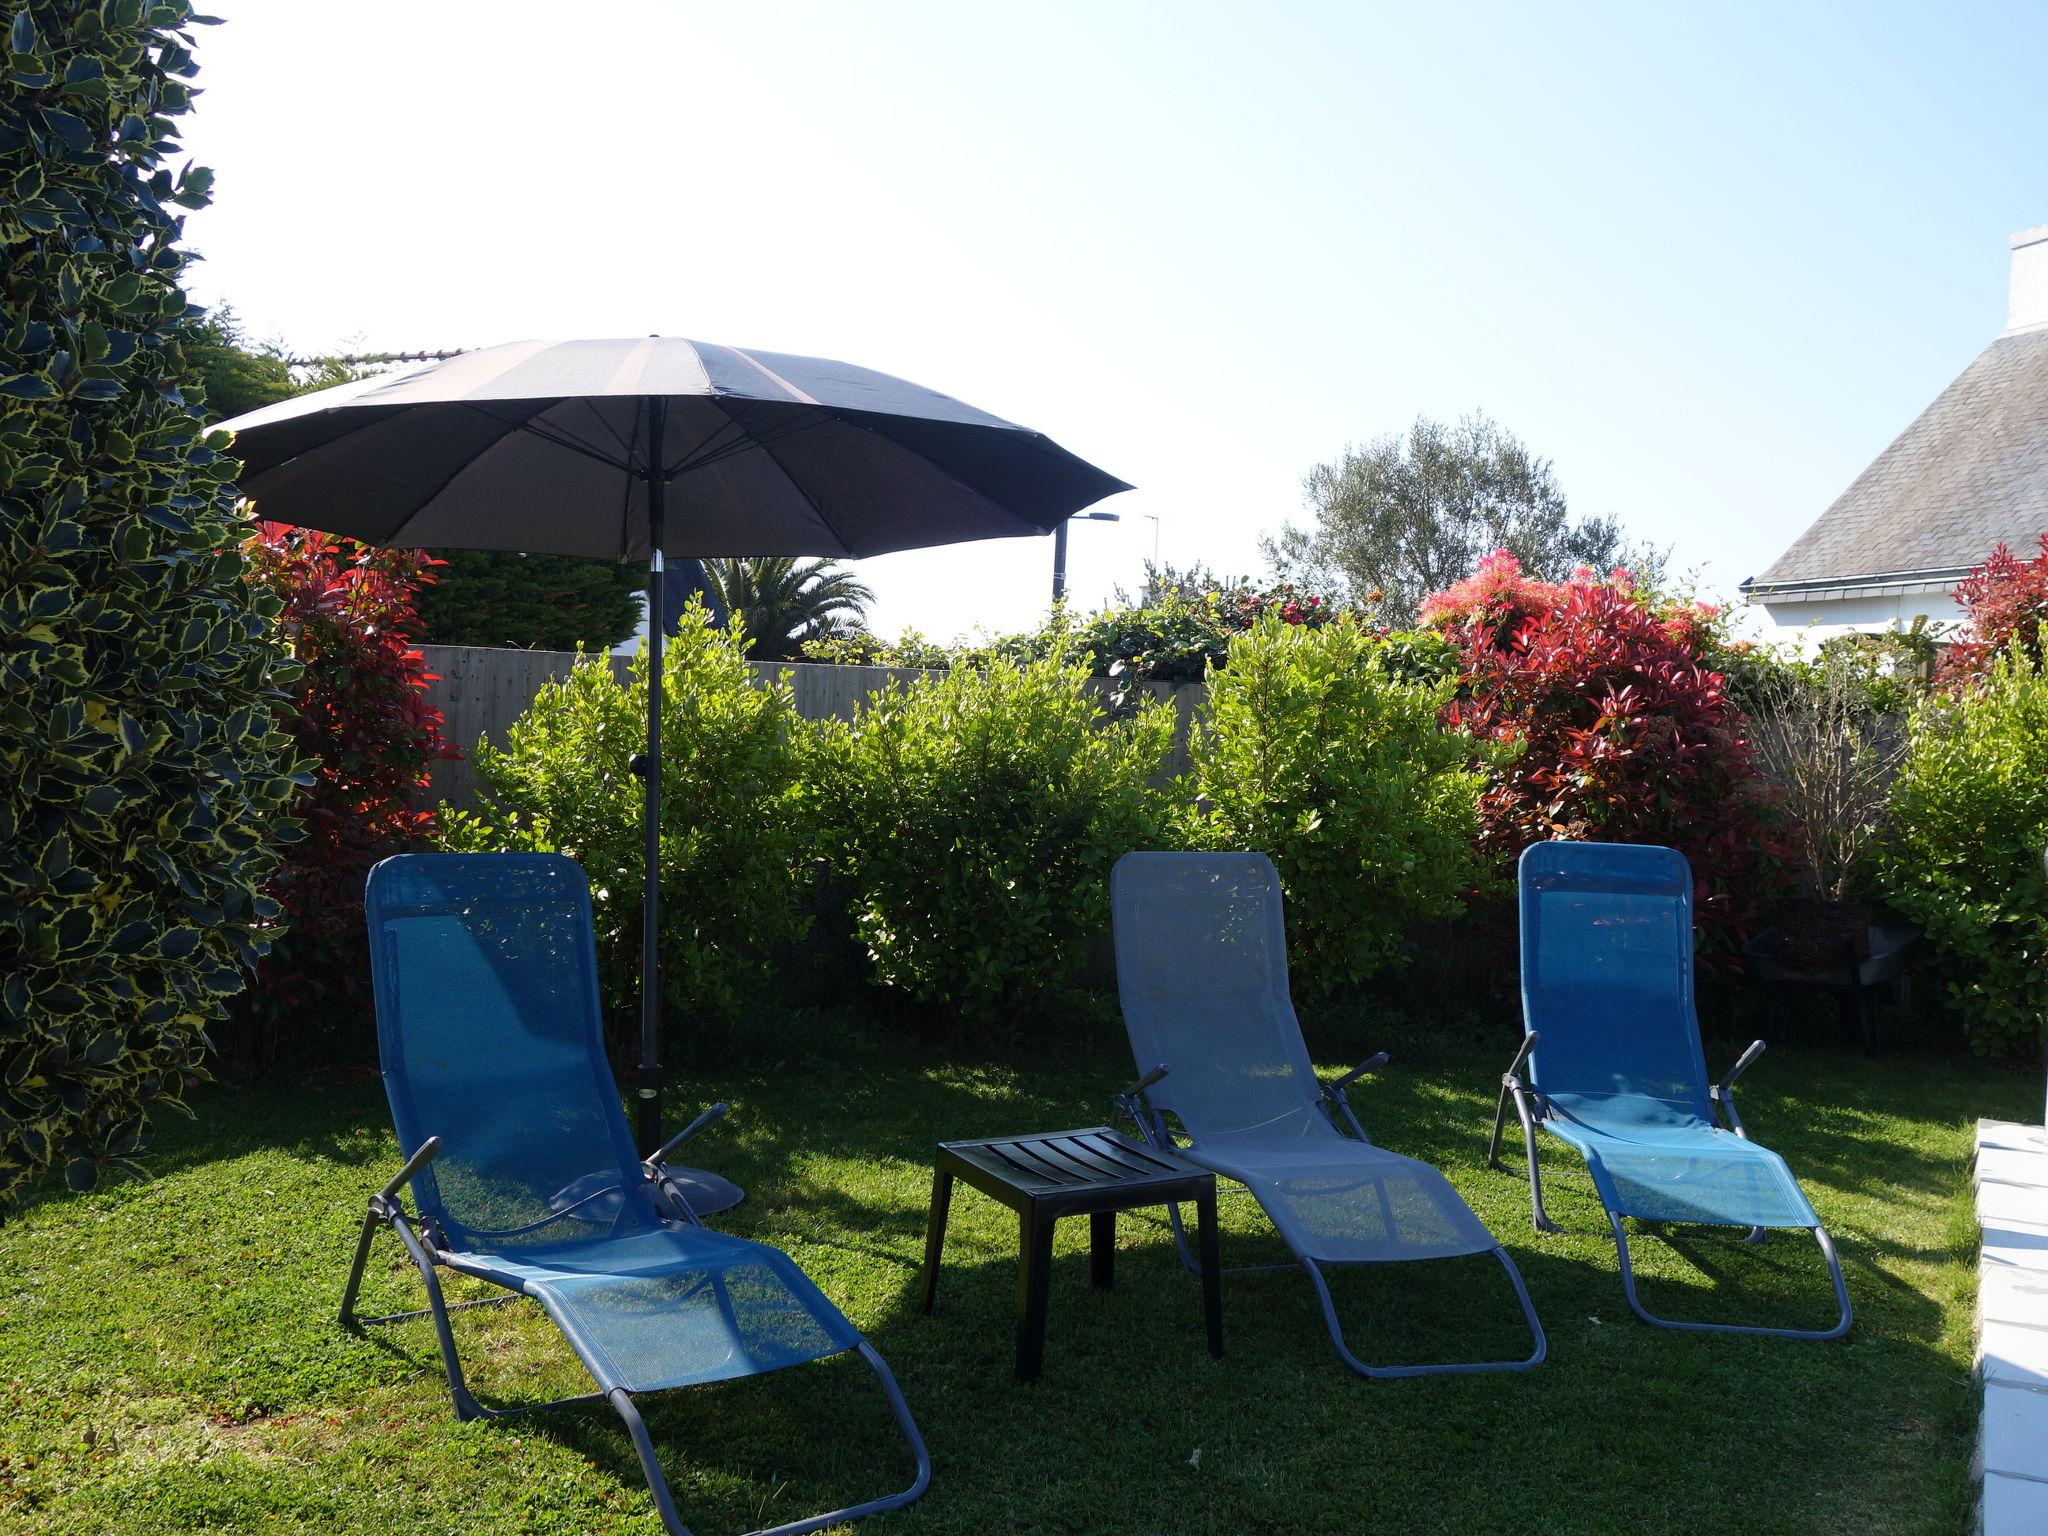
x: 1969, y: 474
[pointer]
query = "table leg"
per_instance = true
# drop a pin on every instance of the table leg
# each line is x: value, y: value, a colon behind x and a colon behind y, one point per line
x: 1212, y: 1270
x: 935, y: 1233
x: 1034, y: 1273
x: 1102, y: 1249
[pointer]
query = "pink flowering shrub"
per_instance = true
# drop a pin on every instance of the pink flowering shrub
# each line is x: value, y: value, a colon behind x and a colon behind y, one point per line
x: 1623, y: 734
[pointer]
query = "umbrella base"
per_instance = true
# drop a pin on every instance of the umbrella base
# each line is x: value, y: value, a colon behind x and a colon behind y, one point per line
x: 708, y: 1193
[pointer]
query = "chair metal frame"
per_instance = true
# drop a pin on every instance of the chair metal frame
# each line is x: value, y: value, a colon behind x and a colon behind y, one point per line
x: 423, y: 1246
x: 1533, y: 1108
x: 426, y: 1245
x: 1336, y: 1106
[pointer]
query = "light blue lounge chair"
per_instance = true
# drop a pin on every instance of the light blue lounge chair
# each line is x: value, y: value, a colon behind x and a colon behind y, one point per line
x: 1201, y: 966
x: 523, y: 1172
x: 1614, y: 1065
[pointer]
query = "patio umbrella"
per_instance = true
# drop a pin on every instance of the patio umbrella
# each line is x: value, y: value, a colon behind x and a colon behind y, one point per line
x: 643, y: 449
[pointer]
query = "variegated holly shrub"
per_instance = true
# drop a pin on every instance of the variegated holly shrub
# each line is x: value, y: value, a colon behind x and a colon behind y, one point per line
x: 142, y: 774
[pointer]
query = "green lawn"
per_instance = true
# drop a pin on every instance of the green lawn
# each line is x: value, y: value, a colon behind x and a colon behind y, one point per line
x: 169, y: 1360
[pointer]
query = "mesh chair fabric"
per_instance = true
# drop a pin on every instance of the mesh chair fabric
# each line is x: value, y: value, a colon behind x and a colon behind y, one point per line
x: 1201, y: 955
x: 674, y: 1307
x: 1607, y: 982
x: 490, y: 1037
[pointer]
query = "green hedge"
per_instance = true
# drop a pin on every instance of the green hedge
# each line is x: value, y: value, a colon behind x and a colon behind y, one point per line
x: 1322, y: 748
x: 1969, y: 818
x: 974, y: 815
x: 733, y: 756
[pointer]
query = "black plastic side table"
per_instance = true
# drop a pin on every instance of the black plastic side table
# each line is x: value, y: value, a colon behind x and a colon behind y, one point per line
x: 1070, y: 1173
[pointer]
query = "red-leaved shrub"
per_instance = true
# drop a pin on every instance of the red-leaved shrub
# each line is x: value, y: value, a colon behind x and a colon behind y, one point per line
x: 2005, y: 599
x: 359, y: 717
x: 1624, y: 735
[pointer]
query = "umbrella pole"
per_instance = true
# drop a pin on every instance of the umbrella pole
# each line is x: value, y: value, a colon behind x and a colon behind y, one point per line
x: 703, y: 1193
x: 647, y: 1082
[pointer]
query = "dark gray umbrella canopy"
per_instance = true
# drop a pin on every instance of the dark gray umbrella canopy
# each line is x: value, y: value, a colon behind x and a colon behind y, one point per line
x: 541, y: 447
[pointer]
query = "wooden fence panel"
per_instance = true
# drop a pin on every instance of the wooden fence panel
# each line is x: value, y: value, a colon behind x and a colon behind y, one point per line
x: 480, y: 692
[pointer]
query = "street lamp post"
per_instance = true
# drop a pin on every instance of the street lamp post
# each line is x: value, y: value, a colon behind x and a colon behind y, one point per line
x: 1059, y: 549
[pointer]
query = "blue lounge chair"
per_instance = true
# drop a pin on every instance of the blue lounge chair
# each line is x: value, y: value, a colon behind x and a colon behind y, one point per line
x: 523, y: 1173
x: 1201, y: 964
x: 1614, y: 1065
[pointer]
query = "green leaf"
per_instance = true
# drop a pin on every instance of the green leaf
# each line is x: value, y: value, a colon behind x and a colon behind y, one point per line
x: 27, y: 386
x: 71, y: 128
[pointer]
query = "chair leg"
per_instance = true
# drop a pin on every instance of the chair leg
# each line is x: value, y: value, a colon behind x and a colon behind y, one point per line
x: 1827, y: 1249
x: 664, y: 1502
x: 437, y: 1307
x: 650, y: 1468
x: 1500, y: 1122
x: 1458, y: 1368
x: 1153, y: 1133
x: 367, y: 1236
x: 1180, y: 1242
x: 466, y: 1406
x: 1537, y: 1215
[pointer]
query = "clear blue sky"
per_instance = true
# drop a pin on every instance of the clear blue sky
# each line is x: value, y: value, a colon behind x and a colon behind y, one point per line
x: 1707, y: 261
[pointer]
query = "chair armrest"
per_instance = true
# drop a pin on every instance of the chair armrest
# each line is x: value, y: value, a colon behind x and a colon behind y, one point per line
x: 424, y: 1154
x: 1512, y: 1078
x: 655, y: 1159
x: 1723, y: 1092
x: 1131, y: 1103
x: 1756, y: 1049
x: 1371, y: 1063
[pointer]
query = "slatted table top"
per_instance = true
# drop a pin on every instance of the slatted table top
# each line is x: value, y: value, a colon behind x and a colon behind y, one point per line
x: 1072, y: 1162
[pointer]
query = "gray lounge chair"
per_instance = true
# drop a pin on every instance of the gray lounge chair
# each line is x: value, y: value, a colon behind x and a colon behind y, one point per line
x: 1201, y: 958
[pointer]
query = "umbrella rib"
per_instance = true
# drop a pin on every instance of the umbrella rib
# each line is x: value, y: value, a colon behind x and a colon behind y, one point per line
x: 611, y: 431
x: 762, y: 440
x: 575, y: 445
x: 550, y: 435
x: 705, y: 453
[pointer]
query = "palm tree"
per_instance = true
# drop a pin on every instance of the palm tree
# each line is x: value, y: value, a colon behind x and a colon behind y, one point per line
x: 782, y: 602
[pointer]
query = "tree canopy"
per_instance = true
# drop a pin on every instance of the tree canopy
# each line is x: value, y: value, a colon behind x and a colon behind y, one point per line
x: 1404, y: 516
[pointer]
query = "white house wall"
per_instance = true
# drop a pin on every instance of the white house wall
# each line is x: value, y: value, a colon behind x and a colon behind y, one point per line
x: 1819, y: 620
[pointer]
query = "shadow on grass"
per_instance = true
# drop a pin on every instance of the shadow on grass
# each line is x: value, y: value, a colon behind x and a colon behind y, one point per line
x: 1619, y: 1432
x: 1288, y: 1439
